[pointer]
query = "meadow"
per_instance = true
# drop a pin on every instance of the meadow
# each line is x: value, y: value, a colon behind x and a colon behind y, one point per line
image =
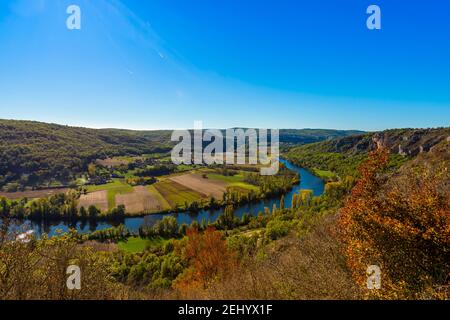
x: 138, y: 244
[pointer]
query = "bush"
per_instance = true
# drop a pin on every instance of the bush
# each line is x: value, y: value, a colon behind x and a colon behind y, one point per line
x: 276, y: 229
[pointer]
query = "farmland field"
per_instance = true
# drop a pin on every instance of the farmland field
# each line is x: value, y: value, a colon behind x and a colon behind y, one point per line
x: 32, y: 194
x: 176, y: 194
x: 233, y: 181
x: 205, y: 186
x: 190, y: 155
x: 161, y: 196
x: 98, y: 199
x: 170, y: 192
x: 113, y: 188
x: 163, y: 202
x: 140, y: 200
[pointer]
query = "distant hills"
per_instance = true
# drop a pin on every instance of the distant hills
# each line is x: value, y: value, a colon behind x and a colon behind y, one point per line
x: 305, y: 136
x: 33, y: 153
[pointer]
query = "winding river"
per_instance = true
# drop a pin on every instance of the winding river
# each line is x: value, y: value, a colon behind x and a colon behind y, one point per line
x: 307, y: 181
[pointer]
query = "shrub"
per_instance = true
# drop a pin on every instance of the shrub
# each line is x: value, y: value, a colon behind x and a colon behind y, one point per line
x: 276, y: 229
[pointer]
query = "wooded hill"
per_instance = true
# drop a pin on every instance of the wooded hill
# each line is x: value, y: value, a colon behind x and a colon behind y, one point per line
x: 343, y: 155
x: 35, y: 153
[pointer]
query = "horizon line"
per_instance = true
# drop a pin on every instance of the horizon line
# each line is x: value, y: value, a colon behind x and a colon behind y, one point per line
x: 86, y: 126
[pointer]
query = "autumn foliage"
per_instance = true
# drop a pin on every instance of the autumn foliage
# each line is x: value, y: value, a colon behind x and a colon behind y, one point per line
x: 400, y: 222
x: 209, y: 259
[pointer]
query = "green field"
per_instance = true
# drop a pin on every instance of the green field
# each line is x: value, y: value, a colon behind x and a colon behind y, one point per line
x: 134, y: 244
x: 184, y: 167
x: 233, y: 181
x: 228, y: 179
x: 324, y: 174
x: 137, y: 244
x: 117, y: 186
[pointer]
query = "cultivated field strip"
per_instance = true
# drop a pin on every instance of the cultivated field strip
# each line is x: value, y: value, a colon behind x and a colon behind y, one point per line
x: 207, y: 187
x: 140, y: 200
x: 98, y: 199
x: 176, y: 194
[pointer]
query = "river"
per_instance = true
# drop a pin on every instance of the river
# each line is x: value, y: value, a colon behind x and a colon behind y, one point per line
x: 307, y: 181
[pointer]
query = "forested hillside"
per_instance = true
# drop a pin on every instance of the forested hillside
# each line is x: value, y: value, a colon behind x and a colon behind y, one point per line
x: 33, y: 153
x: 40, y: 154
x: 340, y: 157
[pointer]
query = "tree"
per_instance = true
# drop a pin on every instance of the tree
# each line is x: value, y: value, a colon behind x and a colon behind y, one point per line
x: 212, y: 202
x: 294, y: 201
x: 93, y: 211
x: 167, y: 227
x: 282, y: 202
x: 209, y: 259
x: 227, y: 219
x: 92, y: 169
x: 400, y: 223
x: 83, y: 212
x: 118, y: 212
x: 306, y: 196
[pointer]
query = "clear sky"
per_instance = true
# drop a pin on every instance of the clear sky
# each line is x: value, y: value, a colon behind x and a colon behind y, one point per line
x: 270, y: 64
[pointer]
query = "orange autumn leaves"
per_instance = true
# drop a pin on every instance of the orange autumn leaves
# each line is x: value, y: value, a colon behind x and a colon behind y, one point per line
x: 400, y: 222
x: 209, y: 259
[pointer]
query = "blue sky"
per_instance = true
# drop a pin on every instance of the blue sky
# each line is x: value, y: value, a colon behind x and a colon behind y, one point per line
x: 270, y: 64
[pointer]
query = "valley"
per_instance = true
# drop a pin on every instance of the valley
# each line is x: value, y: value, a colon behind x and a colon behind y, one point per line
x: 155, y: 223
